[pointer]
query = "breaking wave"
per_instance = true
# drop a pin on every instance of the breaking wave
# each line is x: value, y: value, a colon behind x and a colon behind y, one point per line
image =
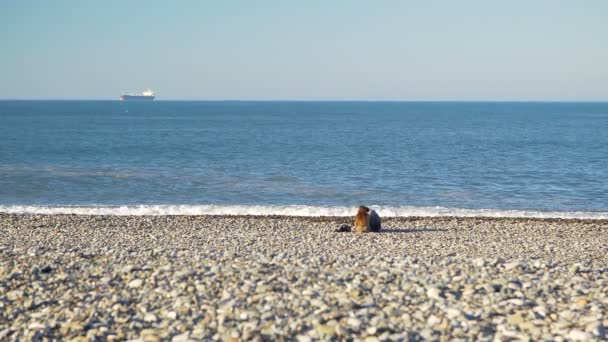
x: 292, y: 210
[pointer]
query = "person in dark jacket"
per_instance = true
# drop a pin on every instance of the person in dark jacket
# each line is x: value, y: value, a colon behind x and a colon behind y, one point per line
x: 374, y: 223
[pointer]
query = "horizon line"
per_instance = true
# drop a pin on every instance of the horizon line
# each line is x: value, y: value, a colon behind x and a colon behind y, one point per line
x: 320, y: 100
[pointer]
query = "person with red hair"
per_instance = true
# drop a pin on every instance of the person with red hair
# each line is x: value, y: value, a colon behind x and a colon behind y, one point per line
x: 361, y: 220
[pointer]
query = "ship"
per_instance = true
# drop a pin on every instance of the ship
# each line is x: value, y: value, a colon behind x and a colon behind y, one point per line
x: 147, y: 95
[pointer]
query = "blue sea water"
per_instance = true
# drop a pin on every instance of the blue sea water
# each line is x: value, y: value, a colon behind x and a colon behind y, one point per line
x: 305, y: 157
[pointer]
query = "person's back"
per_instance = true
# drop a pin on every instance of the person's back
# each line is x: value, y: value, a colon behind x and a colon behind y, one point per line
x: 374, y: 222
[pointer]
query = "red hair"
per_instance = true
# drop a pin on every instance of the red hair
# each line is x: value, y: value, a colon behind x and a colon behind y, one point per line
x: 361, y: 218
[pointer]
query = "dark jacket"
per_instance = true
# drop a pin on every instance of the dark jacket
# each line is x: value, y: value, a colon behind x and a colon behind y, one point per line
x: 373, y: 221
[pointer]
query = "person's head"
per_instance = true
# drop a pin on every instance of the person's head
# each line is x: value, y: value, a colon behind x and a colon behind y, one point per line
x: 361, y: 218
x: 362, y: 210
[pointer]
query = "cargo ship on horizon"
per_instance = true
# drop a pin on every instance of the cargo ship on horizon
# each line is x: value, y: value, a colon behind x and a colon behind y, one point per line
x: 147, y: 95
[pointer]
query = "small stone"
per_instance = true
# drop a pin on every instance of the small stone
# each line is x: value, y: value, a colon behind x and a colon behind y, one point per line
x: 511, y: 265
x: 148, y: 335
x: 354, y: 322
x: 479, y: 262
x: 180, y: 338
x: 578, y: 335
x: 515, y: 319
x: 326, y: 329
x: 453, y: 313
x: 426, y: 334
x: 198, y: 334
x: 516, y: 301
x: 434, y: 293
x: 303, y: 338
x: 36, y: 326
x: 150, y: 317
x: 581, y: 303
x: 136, y: 283
x: 433, y: 320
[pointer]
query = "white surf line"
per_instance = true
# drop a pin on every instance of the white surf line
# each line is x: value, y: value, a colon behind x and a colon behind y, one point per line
x: 291, y: 210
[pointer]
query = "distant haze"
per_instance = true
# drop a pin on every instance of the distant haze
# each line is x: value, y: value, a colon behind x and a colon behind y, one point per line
x: 309, y: 50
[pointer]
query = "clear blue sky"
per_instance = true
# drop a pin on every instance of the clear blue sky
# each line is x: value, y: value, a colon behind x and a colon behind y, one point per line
x: 325, y: 50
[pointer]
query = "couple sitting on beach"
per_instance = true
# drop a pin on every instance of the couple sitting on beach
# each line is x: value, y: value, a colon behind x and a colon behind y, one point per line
x: 367, y: 220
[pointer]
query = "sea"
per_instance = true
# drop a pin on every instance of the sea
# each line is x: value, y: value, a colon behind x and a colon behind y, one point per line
x: 494, y: 159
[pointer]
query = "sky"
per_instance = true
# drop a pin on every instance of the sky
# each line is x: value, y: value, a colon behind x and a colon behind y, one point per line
x: 481, y: 50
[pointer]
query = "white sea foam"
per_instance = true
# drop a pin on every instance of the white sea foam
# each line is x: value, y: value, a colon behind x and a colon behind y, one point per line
x: 291, y: 210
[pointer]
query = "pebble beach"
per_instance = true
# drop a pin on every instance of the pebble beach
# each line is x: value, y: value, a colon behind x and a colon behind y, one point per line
x: 228, y: 278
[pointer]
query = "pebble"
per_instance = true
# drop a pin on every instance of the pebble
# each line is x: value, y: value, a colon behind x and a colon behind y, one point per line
x: 577, y: 335
x: 354, y: 322
x: 136, y: 283
x: 150, y: 317
x: 172, y: 315
x: 433, y: 293
x: 433, y: 320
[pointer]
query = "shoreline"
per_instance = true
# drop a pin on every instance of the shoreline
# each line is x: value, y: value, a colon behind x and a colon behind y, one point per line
x: 292, y: 211
x: 275, y: 277
x: 332, y: 218
x: 325, y: 217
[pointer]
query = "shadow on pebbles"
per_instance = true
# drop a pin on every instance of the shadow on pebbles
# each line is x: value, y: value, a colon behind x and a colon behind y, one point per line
x: 183, y: 278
